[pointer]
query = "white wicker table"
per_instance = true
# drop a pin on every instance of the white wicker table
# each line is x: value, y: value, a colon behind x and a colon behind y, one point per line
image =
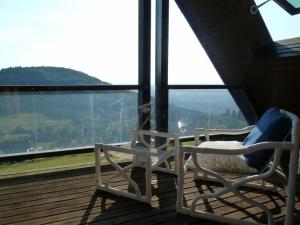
x: 142, y: 152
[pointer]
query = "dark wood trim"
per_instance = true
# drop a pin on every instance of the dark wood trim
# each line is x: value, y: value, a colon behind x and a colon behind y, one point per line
x: 288, y: 41
x: 210, y: 86
x: 144, y: 64
x: 50, y: 88
x: 161, y: 65
x: 286, y: 46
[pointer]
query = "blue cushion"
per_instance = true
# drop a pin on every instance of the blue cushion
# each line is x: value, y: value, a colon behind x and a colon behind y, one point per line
x: 272, y: 126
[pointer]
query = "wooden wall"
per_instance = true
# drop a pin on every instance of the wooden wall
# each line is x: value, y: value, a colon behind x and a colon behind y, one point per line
x: 274, y: 79
x: 243, y: 52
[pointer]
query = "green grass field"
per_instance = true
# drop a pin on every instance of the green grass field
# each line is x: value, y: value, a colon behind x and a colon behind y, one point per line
x: 50, y: 164
x: 43, y: 164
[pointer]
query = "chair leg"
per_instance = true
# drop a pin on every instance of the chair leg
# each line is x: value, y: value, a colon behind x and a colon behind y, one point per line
x: 98, y: 166
x: 148, y: 175
x: 290, y: 200
x: 122, y: 172
x: 180, y: 180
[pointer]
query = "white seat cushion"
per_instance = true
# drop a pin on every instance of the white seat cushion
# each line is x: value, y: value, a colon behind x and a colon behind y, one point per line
x: 219, y: 162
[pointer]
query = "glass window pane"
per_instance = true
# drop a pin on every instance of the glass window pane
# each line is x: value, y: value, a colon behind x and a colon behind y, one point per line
x: 190, y: 109
x: 188, y: 61
x: 42, y: 121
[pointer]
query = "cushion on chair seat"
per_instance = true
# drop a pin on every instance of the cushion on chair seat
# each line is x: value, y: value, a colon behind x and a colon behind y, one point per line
x: 221, y: 162
x: 272, y: 126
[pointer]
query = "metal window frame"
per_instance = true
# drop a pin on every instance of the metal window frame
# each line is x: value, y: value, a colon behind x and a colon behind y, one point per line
x: 288, y: 7
x: 161, y: 65
x: 144, y: 64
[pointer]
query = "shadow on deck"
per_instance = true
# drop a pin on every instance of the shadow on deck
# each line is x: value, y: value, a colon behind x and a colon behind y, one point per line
x: 70, y: 197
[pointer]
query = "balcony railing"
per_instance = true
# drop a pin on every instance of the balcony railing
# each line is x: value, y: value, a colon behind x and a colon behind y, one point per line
x: 39, y: 121
x: 42, y: 121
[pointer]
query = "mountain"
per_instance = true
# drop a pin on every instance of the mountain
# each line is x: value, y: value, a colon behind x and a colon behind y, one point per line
x: 45, y: 75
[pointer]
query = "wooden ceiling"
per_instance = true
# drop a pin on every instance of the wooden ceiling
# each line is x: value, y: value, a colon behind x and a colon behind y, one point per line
x: 243, y: 52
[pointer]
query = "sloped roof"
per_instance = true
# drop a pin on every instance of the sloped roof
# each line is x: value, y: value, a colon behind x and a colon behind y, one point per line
x: 235, y: 40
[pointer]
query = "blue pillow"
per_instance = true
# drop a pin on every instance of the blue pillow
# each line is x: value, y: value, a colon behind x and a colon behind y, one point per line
x: 272, y: 126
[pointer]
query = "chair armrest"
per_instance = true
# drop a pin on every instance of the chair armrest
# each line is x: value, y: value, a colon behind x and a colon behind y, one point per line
x: 238, y: 151
x: 154, y: 133
x: 123, y: 149
x: 208, y: 132
x: 144, y: 137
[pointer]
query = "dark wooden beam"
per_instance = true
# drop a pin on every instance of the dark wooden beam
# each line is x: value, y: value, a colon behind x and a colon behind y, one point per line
x: 161, y: 65
x: 144, y: 64
x: 38, y: 88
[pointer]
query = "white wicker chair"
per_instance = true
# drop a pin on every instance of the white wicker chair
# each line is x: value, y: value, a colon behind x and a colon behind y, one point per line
x: 249, y: 175
x: 143, y: 152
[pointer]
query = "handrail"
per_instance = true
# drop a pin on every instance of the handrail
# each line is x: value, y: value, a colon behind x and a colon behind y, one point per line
x: 37, y: 88
x: 203, y: 86
x: 108, y: 87
x: 70, y: 151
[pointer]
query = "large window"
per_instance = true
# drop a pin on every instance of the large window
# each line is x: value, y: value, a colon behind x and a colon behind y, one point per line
x: 91, y: 44
x: 62, y: 43
x: 40, y: 121
x: 212, y: 108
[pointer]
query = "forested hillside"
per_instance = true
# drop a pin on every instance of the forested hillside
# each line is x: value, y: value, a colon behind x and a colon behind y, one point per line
x: 45, y: 75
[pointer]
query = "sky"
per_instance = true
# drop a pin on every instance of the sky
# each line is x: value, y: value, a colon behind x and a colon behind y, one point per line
x: 100, y: 39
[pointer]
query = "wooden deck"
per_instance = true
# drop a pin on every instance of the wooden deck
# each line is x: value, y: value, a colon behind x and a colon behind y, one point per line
x: 70, y: 197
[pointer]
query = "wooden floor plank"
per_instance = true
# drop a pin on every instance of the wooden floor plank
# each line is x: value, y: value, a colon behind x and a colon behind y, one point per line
x: 170, y: 194
x: 71, y: 198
